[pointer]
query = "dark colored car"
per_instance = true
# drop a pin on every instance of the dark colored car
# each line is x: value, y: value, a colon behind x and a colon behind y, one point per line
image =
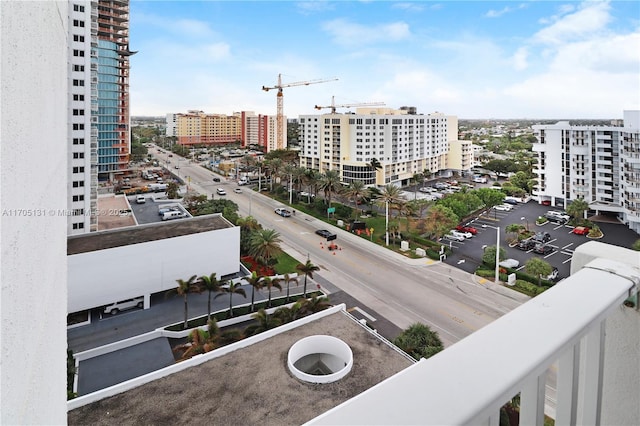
x: 469, y: 229
x: 543, y: 249
x: 526, y: 245
x: 542, y: 237
x: 511, y: 201
x: 216, y: 179
x: 326, y: 234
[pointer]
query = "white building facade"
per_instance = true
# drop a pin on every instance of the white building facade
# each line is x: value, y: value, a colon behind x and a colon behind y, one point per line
x: 600, y: 164
x: 34, y: 38
x: 404, y: 144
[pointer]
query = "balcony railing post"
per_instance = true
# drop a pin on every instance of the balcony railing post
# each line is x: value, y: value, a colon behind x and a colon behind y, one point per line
x: 594, y: 357
x: 532, y: 401
x: 567, y: 393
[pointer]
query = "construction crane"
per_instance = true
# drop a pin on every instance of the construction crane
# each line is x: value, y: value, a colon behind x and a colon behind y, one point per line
x: 333, y: 105
x: 280, y: 103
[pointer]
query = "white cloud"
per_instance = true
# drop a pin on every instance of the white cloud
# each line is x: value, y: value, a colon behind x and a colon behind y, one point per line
x: 498, y: 13
x: 409, y: 7
x: 350, y: 34
x: 520, y: 59
x: 589, y: 19
x: 178, y: 27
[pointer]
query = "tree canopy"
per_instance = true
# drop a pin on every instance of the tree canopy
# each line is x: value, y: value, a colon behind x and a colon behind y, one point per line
x: 419, y: 341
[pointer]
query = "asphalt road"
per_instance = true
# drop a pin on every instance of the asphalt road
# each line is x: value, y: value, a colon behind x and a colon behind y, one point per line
x: 405, y: 291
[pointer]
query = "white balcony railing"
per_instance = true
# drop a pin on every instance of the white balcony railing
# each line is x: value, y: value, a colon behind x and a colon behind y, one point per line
x: 560, y: 333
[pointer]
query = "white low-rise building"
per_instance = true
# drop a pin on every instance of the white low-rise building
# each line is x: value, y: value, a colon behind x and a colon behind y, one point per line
x: 109, y: 266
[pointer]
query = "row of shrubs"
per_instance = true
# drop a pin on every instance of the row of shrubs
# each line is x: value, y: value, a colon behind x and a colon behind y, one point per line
x: 243, y: 310
x: 525, y: 283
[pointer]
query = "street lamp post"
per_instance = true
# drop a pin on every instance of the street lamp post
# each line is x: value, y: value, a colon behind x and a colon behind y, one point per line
x: 497, y: 228
x: 527, y: 220
x: 386, y: 221
x: 290, y: 189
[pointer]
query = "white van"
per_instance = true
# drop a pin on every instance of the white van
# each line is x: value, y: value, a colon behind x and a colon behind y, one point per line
x: 173, y: 215
x: 122, y: 305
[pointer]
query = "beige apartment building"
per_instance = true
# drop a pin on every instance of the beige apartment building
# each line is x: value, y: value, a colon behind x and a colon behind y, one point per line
x: 404, y: 142
x: 245, y: 127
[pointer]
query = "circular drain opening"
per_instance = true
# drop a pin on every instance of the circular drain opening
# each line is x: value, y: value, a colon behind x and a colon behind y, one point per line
x: 320, y: 359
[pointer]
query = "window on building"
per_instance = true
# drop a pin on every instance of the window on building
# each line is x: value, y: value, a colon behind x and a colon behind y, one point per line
x: 77, y: 97
x: 77, y: 82
x: 78, y: 52
x: 78, y: 112
x: 78, y: 37
x: 78, y: 67
x: 78, y: 23
x: 79, y: 225
x: 78, y: 198
x: 78, y: 8
x: 77, y: 155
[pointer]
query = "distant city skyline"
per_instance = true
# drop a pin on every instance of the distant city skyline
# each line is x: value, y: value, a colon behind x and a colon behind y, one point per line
x: 528, y: 60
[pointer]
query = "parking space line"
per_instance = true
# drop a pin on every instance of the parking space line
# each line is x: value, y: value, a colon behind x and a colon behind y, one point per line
x: 568, y: 260
x: 550, y: 254
x: 564, y: 248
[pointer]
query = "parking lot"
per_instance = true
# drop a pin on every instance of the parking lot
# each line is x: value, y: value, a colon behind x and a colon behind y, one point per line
x: 467, y: 254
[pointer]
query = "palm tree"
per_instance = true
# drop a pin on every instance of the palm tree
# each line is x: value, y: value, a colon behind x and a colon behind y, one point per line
x: 329, y: 183
x: 264, y: 245
x: 307, y: 269
x: 417, y: 177
x: 256, y: 282
x: 374, y: 165
x: 212, y: 284
x: 355, y: 190
x: 270, y: 283
x: 231, y: 289
x: 264, y: 322
x: 390, y: 195
x: 288, y: 279
x: 314, y: 304
x: 299, y: 175
x: 577, y: 208
x: 183, y: 289
x: 514, y: 229
x: 273, y: 166
x: 313, y: 178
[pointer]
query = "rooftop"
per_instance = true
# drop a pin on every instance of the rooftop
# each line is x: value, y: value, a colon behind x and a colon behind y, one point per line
x: 144, y: 233
x: 252, y: 384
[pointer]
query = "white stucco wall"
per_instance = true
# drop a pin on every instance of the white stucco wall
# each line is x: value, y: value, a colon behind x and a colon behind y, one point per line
x: 33, y: 164
x: 621, y: 367
x: 105, y: 276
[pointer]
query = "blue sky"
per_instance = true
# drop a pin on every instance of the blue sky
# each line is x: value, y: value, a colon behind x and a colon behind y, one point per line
x: 473, y: 59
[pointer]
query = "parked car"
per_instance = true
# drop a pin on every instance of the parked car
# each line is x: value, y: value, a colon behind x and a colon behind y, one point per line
x: 282, y: 212
x: 305, y: 195
x: 526, y: 245
x: 140, y: 199
x: 458, y: 238
x: 542, y: 249
x: 460, y: 233
x: 542, y: 237
x: 552, y: 276
x: 122, y: 305
x: 503, y: 207
x: 509, y: 263
x: 465, y: 228
x: 556, y: 217
x: 581, y: 230
x: 511, y: 201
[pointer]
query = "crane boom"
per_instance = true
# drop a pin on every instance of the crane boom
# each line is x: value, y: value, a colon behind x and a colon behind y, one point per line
x: 280, y: 102
x: 333, y: 105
